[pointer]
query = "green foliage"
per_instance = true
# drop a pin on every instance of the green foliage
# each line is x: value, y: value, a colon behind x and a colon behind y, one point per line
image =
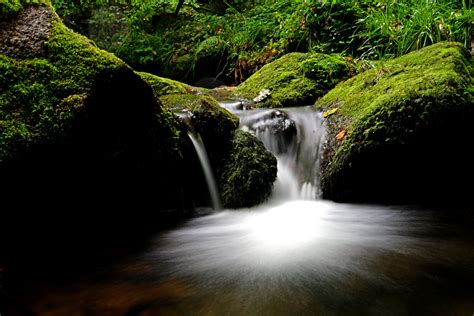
x: 233, y: 39
x: 396, y: 28
x: 249, y: 173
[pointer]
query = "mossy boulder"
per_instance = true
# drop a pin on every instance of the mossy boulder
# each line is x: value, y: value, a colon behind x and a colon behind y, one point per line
x: 163, y: 86
x: 207, y: 117
x: 400, y: 132
x: 248, y: 175
x: 78, y: 127
x: 294, y: 79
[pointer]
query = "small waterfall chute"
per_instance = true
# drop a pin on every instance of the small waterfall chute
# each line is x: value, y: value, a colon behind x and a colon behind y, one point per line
x: 206, y: 168
x: 295, y: 136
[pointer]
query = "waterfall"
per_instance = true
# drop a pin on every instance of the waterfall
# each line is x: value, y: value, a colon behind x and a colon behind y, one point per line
x: 206, y: 167
x: 295, y: 136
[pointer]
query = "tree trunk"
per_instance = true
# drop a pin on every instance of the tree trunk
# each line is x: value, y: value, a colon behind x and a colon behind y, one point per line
x: 179, y: 6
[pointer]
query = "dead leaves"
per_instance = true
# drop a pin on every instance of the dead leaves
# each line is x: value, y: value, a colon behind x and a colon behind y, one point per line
x: 330, y: 112
x: 340, y: 136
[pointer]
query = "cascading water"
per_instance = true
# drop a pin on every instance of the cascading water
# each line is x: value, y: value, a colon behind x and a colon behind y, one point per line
x: 295, y: 136
x: 206, y: 168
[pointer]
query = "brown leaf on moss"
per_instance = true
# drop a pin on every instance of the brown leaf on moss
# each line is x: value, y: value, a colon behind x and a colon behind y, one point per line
x: 340, y: 136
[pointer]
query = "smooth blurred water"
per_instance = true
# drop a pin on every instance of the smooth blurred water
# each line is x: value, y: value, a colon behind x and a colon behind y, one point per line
x: 297, y: 147
x: 207, y: 170
x: 314, y: 257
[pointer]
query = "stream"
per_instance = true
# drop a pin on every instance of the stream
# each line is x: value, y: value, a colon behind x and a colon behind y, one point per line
x: 294, y: 255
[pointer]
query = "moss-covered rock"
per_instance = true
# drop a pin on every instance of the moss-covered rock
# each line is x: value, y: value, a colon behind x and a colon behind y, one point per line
x: 293, y: 80
x: 72, y: 115
x: 248, y: 175
x: 407, y: 124
x: 216, y: 126
x: 163, y: 86
x: 77, y: 124
x: 245, y: 168
x: 208, y: 118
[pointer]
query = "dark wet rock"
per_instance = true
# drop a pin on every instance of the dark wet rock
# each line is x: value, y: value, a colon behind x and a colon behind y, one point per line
x: 24, y: 36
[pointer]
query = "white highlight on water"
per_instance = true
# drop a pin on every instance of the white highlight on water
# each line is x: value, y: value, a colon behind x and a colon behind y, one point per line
x: 206, y: 167
x: 280, y: 228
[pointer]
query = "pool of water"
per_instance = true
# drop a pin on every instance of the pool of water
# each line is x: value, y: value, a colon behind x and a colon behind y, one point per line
x: 285, y: 258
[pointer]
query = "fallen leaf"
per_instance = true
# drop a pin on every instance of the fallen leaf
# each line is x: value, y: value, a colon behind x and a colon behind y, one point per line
x: 340, y: 136
x: 330, y: 112
x: 230, y: 88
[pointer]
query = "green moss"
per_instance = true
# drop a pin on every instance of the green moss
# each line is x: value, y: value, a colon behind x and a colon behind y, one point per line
x: 294, y: 79
x: 9, y: 7
x: 162, y: 86
x: 47, y: 94
x: 36, y: 92
x: 249, y: 173
x: 207, y: 116
x: 405, y: 101
x: 78, y: 58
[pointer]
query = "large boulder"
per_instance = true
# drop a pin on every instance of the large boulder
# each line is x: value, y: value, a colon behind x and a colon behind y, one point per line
x: 401, y: 132
x: 293, y: 80
x: 78, y: 128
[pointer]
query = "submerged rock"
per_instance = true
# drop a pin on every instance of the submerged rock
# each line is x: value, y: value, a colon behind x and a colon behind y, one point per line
x: 293, y: 80
x: 401, y: 131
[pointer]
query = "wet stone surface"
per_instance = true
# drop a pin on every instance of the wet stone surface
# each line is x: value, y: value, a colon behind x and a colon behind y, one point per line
x: 23, y: 37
